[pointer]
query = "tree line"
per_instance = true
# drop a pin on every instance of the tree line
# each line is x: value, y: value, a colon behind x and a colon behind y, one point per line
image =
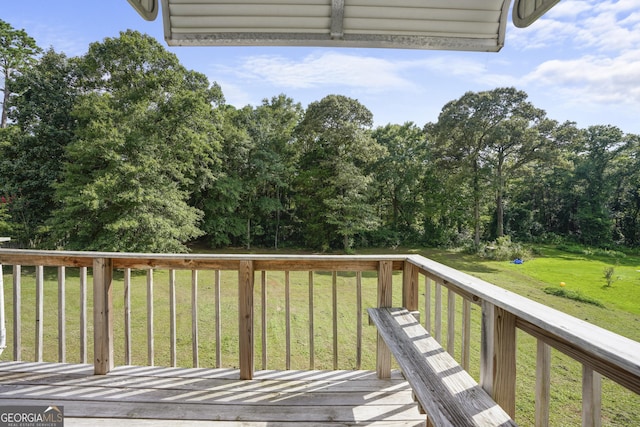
x: 124, y: 149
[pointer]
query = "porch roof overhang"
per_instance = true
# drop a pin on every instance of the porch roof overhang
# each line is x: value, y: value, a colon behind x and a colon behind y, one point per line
x: 467, y: 25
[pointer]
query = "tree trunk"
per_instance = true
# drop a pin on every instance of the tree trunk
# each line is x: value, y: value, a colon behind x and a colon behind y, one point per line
x: 499, y: 215
x: 500, y: 200
x: 476, y: 207
x: 5, y: 98
x: 249, y: 233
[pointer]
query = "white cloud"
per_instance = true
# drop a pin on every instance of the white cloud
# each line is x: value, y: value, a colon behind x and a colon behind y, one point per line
x: 592, y: 79
x: 325, y: 69
x: 604, y: 25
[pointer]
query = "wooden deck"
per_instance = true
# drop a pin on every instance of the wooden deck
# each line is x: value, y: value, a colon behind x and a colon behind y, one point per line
x: 157, y: 396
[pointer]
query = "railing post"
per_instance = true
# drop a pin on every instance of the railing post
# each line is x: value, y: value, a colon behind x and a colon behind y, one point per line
x: 102, y: 315
x: 385, y: 282
x: 245, y: 319
x: 410, y: 287
x: 498, y: 356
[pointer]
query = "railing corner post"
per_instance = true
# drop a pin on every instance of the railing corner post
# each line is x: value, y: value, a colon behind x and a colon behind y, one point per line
x: 410, y: 286
x: 385, y: 286
x: 245, y: 318
x: 102, y: 315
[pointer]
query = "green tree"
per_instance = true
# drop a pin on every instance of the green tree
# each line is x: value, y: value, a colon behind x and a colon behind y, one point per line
x: 398, y: 176
x: 627, y: 204
x: 271, y: 127
x: 145, y: 143
x: 32, y: 162
x: 17, y: 51
x: 458, y: 139
x: 225, y: 203
x: 597, y: 176
x: 542, y: 194
x: 492, y: 136
x: 332, y: 187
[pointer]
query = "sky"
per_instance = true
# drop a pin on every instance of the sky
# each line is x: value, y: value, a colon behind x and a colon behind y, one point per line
x: 580, y: 62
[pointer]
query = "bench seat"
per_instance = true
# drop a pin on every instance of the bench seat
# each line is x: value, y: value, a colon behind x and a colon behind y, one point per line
x: 444, y: 390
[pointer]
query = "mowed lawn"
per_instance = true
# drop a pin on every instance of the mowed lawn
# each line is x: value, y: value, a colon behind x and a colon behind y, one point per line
x: 579, y: 272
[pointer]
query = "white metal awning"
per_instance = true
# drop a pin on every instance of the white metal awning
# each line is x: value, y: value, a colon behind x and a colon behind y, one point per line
x: 474, y: 25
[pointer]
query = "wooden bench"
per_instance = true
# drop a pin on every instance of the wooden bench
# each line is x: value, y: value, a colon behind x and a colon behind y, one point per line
x: 445, y: 391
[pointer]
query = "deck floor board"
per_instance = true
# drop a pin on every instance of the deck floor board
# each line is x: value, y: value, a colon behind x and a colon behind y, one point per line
x: 158, y: 396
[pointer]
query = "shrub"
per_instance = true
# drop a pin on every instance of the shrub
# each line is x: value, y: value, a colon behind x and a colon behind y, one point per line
x: 572, y: 295
x: 503, y: 249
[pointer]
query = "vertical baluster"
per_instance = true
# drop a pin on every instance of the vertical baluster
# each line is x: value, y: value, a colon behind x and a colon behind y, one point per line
x: 17, y: 313
x: 172, y: 316
x: 127, y: 316
x: 39, y: 312
x: 62, y: 335
x: 591, y: 397
x: 264, y: 318
x: 543, y: 384
x: 218, y: 323
x: 311, y: 329
x: 451, y: 322
x: 150, y: 337
x: 466, y: 333
x: 438, y: 312
x: 194, y: 319
x: 83, y: 314
x: 3, y: 331
x: 359, y: 320
x: 287, y: 309
x: 334, y: 294
x: 427, y: 303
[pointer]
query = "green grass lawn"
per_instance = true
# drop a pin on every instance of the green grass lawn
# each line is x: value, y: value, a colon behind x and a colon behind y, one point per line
x: 580, y: 272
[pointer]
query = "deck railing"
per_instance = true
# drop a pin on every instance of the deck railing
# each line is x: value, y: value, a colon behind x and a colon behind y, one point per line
x: 413, y: 282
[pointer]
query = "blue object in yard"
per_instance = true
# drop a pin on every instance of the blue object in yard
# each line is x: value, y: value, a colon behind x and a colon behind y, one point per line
x: 518, y: 261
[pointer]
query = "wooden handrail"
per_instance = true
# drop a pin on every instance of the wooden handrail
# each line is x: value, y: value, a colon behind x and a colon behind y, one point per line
x: 601, y: 352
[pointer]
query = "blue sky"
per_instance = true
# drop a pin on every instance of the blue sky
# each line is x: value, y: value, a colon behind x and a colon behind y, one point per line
x: 580, y: 62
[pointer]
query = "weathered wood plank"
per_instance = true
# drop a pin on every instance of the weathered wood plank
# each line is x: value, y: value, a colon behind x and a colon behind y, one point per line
x: 334, y: 317
x: 62, y: 330
x: 543, y: 384
x: 17, y: 312
x: 195, y: 338
x: 504, y: 370
x: 613, y: 355
x: 102, y: 315
x: 127, y: 316
x: 447, y: 393
x: 385, y: 299
x: 201, y: 261
x: 312, y: 357
x: 39, y: 348
x: 132, y: 393
x: 218, y: 321
x: 172, y: 317
x: 150, y: 338
x: 83, y: 314
x: 591, y: 398
x: 245, y: 319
